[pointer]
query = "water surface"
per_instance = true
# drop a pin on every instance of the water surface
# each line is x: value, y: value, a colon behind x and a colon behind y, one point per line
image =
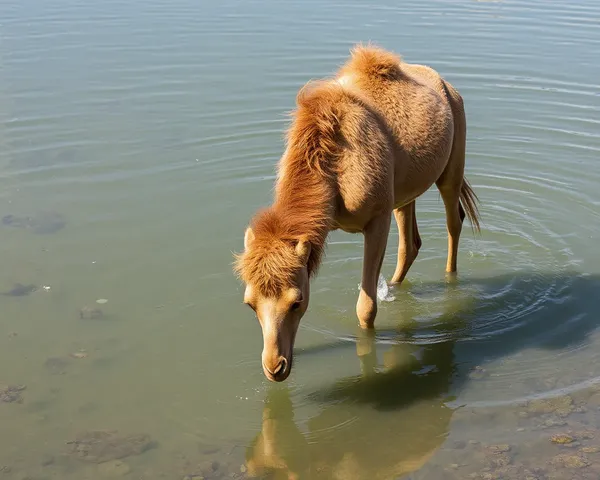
x: 137, y: 139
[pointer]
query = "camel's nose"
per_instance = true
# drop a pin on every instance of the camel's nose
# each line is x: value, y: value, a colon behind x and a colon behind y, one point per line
x: 278, y: 373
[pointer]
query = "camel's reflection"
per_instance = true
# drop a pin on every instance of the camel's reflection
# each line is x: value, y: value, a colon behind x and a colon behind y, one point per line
x: 381, y: 424
x: 392, y: 417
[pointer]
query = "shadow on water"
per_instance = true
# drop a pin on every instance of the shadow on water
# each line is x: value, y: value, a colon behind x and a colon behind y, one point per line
x: 389, y: 419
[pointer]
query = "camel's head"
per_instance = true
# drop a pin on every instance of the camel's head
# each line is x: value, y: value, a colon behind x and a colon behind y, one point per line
x: 275, y: 273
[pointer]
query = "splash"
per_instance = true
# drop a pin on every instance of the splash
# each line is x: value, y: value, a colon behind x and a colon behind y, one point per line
x: 383, y: 290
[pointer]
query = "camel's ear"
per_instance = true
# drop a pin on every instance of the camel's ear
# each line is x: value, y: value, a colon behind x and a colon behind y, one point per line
x: 248, y: 238
x: 303, y: 250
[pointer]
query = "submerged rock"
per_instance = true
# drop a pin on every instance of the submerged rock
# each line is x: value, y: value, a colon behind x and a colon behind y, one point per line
x: 561, y: 406
x: 571, y: 461
x: 20, y: 290
x: 105, y: 445
x: 41, y: 223
x: 554, y: 422
x: 585, y: 434
x: 562, y: 438
x: 11, y: 393
x: 591, y: 449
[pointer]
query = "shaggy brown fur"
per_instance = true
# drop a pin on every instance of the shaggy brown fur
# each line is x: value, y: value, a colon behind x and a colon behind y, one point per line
x: 304, y: 195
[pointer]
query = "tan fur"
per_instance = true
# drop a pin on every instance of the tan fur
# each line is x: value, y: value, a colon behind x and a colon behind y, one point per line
x: 361, y: 146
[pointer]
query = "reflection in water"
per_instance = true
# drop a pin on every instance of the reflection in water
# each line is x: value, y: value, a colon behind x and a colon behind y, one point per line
x: 390, y: 419
x: 385, y: 422
x: 279, y: 448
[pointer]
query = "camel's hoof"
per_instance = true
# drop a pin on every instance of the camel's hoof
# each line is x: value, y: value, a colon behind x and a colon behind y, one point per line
x: 451, y: 278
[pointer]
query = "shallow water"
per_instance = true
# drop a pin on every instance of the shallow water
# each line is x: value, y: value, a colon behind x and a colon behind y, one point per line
x: 137, y: 139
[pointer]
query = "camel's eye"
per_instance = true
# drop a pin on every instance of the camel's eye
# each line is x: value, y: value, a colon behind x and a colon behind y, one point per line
x: 251, y: 306
x: 295, y: 306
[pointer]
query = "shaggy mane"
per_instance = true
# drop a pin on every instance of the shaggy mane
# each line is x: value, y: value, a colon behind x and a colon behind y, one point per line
x: 304, y: 195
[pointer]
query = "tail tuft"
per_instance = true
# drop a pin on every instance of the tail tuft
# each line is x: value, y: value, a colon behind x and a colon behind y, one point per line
x: 469, y: 201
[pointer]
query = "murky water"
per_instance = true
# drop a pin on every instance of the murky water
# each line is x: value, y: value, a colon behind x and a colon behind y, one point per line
x: 137, y: 139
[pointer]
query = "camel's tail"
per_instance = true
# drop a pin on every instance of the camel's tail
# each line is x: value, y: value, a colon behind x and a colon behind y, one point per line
x: 469, y: 200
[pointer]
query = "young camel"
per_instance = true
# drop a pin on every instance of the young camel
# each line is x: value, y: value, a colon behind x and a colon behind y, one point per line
x: 362, y: 145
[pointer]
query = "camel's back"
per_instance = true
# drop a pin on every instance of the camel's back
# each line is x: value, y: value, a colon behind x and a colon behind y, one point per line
x: 412, y: 99
x: 427, y: 76
x: 416, y: 105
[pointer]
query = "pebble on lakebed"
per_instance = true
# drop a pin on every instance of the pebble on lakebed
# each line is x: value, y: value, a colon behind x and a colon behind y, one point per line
x: 11, y: 393
x: 562, y: 438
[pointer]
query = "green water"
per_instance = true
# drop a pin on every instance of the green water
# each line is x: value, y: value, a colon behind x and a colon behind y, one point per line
x: 141, y: 136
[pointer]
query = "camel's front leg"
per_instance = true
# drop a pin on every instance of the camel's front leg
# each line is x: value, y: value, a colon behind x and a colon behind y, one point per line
x: 376, y: 235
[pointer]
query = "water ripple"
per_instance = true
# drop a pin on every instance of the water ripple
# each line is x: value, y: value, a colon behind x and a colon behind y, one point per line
x: 165, y: 115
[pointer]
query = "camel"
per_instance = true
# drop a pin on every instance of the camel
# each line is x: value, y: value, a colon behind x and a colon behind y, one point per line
x: 361, y: 146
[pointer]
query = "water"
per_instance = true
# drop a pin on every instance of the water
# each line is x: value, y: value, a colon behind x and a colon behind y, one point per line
x: 137, y: 139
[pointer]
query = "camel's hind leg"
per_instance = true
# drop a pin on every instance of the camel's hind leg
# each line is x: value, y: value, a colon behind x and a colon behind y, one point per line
x: 450, y: 183
x: 455, y: 216
x: 409, y: 240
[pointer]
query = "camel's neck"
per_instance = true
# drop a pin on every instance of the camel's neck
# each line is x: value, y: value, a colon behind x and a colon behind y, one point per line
x: 305, y: 199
